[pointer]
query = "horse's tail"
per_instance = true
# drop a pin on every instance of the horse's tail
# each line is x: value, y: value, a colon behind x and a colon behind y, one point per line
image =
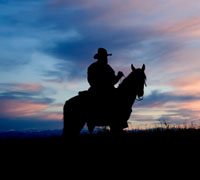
x: 66, y: 110
x: 73, y: 123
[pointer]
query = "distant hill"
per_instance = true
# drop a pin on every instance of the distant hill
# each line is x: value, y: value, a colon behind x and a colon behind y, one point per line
x: 30, y: 134
x: 38, y: 134
x: 156, y: 133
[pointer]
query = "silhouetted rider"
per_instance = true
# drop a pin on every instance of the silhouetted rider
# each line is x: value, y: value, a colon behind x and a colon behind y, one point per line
x: 101, y: 76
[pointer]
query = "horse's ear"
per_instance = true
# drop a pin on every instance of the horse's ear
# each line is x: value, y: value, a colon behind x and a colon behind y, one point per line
x: 143, y: 67
x: 132, y: 67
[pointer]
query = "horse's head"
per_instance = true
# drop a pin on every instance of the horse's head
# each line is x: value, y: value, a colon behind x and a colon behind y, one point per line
x: 135, y: 81
x: 139, y: 80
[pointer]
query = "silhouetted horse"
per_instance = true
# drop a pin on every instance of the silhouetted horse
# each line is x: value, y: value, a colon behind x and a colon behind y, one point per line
x: 95, y: 110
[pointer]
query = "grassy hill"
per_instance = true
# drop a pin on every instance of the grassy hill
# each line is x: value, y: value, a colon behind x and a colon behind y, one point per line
x: 164, y: 145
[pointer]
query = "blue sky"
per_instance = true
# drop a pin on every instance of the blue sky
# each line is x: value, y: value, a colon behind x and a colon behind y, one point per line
x: 46, y: 47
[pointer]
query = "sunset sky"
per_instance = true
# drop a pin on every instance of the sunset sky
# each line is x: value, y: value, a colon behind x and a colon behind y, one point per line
x: 46, y: 47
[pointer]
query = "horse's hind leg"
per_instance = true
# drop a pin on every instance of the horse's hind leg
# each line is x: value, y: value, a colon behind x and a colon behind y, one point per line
x: 73, y: 129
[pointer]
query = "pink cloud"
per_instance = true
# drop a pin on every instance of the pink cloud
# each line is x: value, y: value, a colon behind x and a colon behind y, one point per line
x: 177, y: 67
x: 27, y: 87
x: 194, y: 105
x: 23, y: 108
x: 29, y: 109
x: 187, y: 28
x: 187, y: 85
x: 166, y: 15
x: 52, y: 116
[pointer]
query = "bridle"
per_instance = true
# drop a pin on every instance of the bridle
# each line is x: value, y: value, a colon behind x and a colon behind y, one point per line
x: 140, y: 98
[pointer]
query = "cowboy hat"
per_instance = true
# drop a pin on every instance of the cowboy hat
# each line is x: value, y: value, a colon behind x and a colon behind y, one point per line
x: 101, y: 53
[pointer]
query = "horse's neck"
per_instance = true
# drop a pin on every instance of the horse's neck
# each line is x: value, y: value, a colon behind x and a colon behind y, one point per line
x: 127, y: 96
x: 128, y: 100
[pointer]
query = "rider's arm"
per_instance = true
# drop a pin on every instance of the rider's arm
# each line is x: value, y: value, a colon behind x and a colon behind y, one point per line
x: 118, y: 77
x: 115, y: 78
